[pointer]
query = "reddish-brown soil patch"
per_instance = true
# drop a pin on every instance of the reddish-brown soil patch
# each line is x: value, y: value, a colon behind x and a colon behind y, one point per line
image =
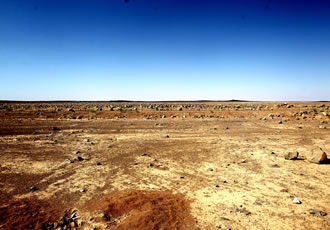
x: 146, y: 210
x: 27, y: 214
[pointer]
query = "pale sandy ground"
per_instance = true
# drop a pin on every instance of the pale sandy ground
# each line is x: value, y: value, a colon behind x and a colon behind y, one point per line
x: 225, y: 167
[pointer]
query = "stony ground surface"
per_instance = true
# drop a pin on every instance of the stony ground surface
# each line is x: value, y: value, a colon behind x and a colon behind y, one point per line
x: 198, y: 165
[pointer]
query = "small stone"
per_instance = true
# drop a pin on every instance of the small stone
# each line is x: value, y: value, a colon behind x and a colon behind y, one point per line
x: 243, y: 161
x: 82, y: 190
x: 78, y: 158
x: 210, y: 169
x: 296, y: 201
x: 243, y: 210
x: 181, y: 177
x: 317, y: 156
x: 68, y: 161
x: 224, y: 218
x: 106, y: 217
x: 33, y: 189
x: 85, y: 156
x: 275, y: 166
x: 98, y: 163
x: 81, y: 223
x: 316, y: 212
x: 280, y: 122
x: 217, y: 186
x: 291, y: 156
x: 151, y: 164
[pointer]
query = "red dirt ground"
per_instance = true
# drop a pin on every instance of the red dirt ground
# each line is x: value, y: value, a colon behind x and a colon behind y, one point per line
x: 138, y: 209
x: 27, y: 214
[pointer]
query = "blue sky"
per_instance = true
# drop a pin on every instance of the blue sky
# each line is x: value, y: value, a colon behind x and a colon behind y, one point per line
x: 164, y: 50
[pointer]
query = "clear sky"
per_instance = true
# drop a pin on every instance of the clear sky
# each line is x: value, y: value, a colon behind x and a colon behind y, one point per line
x: 164, y: 50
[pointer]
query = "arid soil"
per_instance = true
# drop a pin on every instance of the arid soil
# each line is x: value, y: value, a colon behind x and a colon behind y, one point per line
x: 169, y: 165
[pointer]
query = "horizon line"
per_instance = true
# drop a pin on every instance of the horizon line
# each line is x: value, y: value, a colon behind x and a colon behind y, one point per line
x: 144, y: 101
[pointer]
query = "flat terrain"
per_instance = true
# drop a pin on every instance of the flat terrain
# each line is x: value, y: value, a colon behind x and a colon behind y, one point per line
x: 169, y: 165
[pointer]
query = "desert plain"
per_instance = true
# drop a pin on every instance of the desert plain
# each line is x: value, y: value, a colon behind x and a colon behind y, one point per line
x: 165, y: 165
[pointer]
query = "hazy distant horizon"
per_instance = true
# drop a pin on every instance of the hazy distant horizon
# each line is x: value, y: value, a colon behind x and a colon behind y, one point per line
x: 150, y: 101
x: 165, y: 50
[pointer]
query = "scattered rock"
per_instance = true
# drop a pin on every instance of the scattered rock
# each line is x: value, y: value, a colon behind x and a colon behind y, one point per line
x: 33, y: 189
x: 284, y: 190
x: 224, y: 218
x: 68, y: 161
x: 291, y: 156
x: 316, y: 212
x: 317, y: 156
x: 72, y: 217
x: 275, y: 166
x: 145, y: 155
x: 85, y: 156
x: 243, y: 210
x: 78, y: 158
x: 243, y: 161
x: 296, y: 201
x: 98, y: 163
x: 106, y: 217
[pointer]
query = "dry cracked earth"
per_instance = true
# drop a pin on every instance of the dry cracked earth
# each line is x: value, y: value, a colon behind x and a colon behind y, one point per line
x: 170, y: 165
